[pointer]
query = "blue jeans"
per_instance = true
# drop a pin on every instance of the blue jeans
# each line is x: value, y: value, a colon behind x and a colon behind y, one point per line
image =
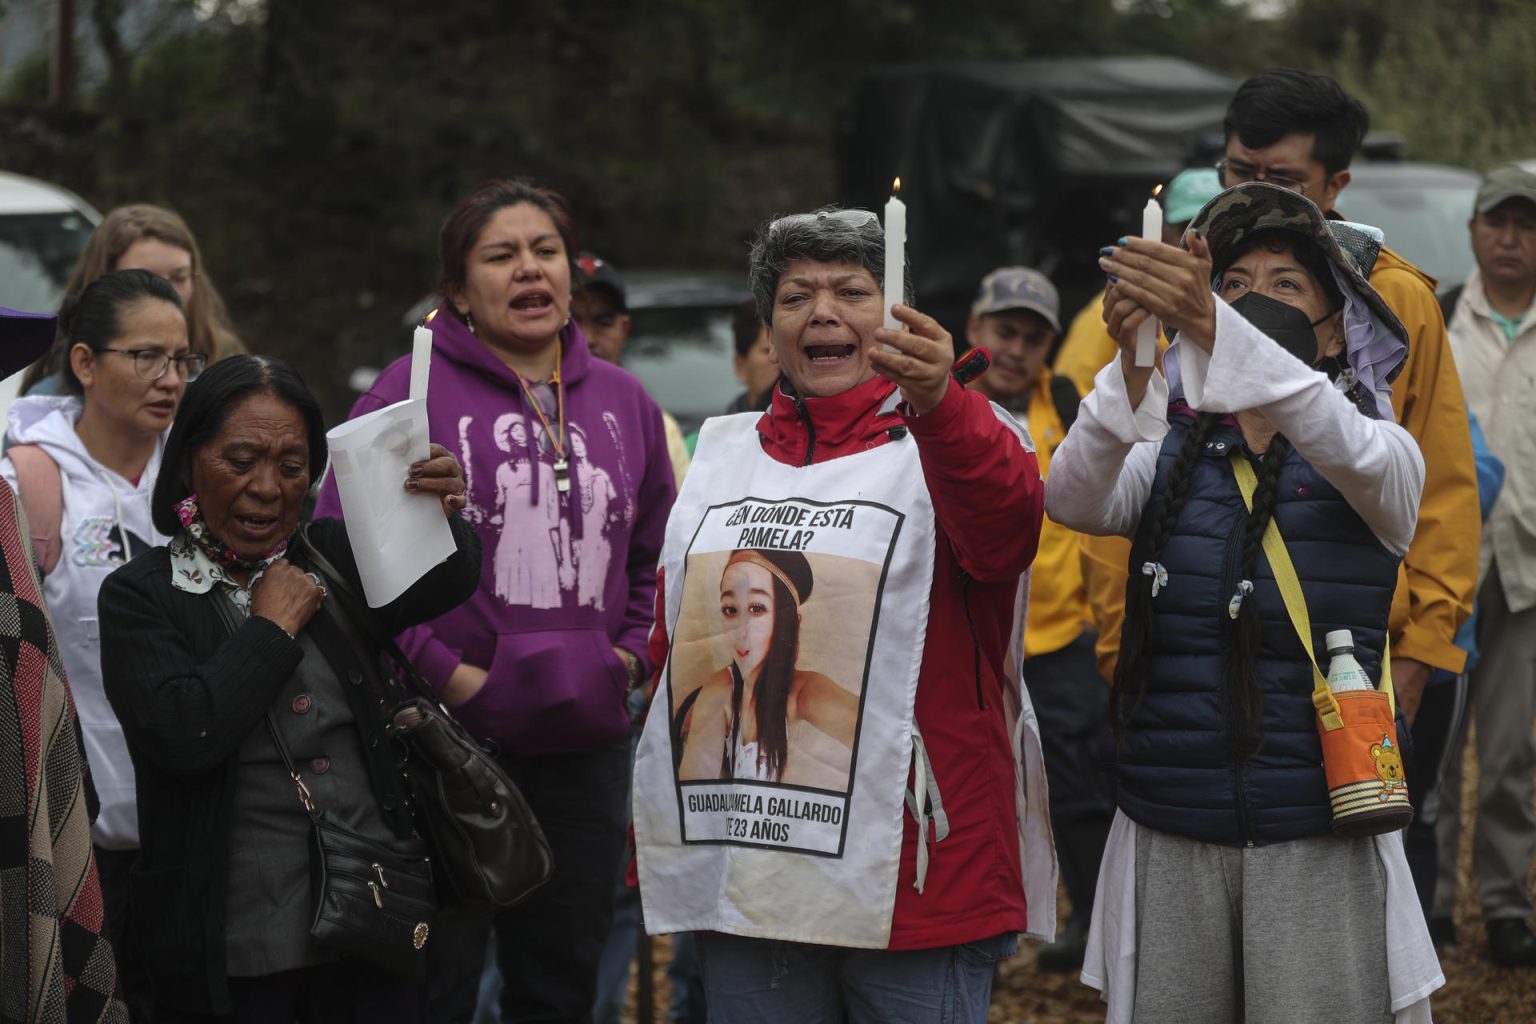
x: 758, y: 981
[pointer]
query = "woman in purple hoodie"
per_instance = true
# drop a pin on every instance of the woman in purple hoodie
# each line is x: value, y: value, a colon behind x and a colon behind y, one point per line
x: 541, y: 659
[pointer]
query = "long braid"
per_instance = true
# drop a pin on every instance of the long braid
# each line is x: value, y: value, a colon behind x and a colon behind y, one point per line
x: 1130, y: 674
x: 1244, y: 696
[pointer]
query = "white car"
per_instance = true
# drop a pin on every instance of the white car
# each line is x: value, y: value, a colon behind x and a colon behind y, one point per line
x: 43, y: 229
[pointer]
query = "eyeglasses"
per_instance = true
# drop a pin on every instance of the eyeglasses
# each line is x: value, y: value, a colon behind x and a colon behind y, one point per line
x: 853, y: 218
x: 1241, y: 171
x: 151, y: 364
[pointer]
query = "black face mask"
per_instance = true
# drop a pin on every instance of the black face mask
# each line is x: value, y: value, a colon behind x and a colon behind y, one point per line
x: 1287, y: 325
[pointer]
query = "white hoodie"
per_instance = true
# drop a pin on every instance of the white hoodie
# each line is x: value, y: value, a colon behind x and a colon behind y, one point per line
x: 105, y: 522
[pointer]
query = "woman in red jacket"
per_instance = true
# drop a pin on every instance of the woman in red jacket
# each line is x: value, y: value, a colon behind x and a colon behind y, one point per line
x: 890, y: 892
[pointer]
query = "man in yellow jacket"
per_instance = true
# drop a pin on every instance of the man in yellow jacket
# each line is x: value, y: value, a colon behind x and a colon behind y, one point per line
x: 1016, y: 318
x: 1299, y: 130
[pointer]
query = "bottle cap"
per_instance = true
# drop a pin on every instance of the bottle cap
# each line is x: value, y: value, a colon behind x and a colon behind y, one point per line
x: 1339, y: 640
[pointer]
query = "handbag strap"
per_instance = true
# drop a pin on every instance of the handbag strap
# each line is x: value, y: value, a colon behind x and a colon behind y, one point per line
x: 338, y: 584
x: 226, y: 610
x: 1296, y: 605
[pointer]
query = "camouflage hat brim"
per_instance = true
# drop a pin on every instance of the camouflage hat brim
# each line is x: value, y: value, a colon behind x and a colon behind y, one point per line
x: 1228, y: 223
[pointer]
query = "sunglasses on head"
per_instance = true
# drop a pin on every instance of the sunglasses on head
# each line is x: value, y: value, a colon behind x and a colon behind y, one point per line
x: 853, y: 218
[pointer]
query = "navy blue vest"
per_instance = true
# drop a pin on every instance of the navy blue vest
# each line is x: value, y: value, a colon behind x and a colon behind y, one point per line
x: 1177, y: 771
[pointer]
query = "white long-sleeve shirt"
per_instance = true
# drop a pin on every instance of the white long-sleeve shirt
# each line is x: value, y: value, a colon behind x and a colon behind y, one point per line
x: 1101, y: 475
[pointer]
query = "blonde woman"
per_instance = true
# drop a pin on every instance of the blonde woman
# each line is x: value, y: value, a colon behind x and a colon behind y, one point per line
x: 153, y: 238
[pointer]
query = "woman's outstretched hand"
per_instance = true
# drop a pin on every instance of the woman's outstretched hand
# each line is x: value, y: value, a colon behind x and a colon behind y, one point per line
x: 287, y: 595
x: 920, y: 365
x: 1171, y: 284
x: 1123, y: 316
x: 439, y: 474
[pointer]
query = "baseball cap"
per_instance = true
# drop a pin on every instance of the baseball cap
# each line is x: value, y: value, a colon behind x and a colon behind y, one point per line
x: 1018, y: 288
x: 24, y: 337
x: 1188, y: 191
x: 598, y: 272
x: 1508, y: 182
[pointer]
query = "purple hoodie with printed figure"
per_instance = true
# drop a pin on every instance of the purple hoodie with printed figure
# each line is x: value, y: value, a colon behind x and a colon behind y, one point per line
x: 567, y: 575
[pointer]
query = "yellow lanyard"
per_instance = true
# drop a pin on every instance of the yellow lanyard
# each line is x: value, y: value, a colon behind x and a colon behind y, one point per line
x: 562, y: 464
x: 1296, y: 604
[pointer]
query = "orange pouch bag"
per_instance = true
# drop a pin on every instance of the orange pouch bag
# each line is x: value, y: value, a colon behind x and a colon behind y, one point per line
x: 1366, y: 784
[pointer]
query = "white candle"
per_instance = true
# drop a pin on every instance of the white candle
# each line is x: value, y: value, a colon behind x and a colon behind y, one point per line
x: 1146, y: 334
x: 895, y: 255
x: 421, y: 362
x: 421, y: 365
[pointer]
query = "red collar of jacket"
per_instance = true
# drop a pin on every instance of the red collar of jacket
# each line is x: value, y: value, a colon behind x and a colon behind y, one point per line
x: 801, y: 431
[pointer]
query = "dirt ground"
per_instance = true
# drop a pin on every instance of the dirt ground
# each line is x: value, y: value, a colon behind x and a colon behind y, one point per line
x: 1475, y: 992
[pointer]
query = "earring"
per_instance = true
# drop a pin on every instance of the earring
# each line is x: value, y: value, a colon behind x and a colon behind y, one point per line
x: 469, y: 322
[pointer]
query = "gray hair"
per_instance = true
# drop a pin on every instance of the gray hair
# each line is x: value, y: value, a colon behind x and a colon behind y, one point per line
x: 829, y: 235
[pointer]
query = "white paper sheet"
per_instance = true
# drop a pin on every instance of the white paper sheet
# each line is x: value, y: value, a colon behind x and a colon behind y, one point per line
x: 396, y: 536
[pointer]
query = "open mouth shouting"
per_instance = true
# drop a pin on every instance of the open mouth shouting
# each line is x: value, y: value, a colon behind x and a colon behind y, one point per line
x: 829, y: 353
x: 534, y: 301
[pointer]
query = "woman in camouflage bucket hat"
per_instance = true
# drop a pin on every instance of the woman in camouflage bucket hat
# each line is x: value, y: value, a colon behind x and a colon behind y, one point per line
x: 1224, y: 894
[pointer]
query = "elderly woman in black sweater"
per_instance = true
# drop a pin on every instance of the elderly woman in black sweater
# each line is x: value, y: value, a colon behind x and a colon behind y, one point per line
x: 223, y: 880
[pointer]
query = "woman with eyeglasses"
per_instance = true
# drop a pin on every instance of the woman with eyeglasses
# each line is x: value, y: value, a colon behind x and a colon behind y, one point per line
x: 146, y: 237
x: 84, y: 464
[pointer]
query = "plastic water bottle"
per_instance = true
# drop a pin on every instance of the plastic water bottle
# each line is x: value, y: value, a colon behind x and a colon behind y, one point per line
x: 1344, y: 672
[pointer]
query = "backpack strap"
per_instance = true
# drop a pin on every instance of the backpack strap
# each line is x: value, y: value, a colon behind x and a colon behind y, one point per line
x: 1066, y: 399
x: 1448, y: 303
x: 40, y: 487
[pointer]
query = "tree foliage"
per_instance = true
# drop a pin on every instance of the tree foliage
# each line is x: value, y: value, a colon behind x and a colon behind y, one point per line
x: 1458, y: 81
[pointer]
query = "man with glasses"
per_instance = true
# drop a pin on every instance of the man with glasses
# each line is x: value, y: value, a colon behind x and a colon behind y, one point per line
x: 1299, y: 130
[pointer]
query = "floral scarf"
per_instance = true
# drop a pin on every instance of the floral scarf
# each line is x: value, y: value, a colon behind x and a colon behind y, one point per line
x: 192, y: 522
x: 199, y: 561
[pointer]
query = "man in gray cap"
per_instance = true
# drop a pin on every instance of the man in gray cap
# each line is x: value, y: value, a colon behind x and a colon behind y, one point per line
x: 1493, y: 336
x: 1016, y: 318
x: 600, y: 308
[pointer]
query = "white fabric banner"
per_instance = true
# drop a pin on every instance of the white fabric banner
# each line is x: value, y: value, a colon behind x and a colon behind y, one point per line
x: 770, y: 778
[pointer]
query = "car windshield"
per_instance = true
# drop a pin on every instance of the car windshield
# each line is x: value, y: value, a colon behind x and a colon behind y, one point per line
x: 1427, y: 226
x: 683, y: 357
x: 37, y: 253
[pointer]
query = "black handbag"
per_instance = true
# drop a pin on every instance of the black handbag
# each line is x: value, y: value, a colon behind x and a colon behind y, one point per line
x: 373, y: 901
x: 492, y: 851
x: 488, y: 850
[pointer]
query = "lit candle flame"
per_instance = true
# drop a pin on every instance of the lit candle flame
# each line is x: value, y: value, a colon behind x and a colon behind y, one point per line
x: 1157, y: 191
x: 428, y: 318
x: 896, y: 185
